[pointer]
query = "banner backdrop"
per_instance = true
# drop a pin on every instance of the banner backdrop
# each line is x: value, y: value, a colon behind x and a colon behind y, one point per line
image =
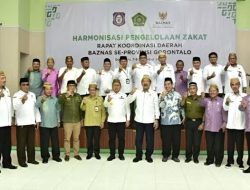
x: 182, y: 29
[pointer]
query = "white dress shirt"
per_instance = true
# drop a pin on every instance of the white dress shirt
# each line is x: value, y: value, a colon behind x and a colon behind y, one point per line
x: 27, y: 113
x: 6, y: 111
x: 236, y: 118
x: 168, y: 71
x: 89, y: 77
x: 118, y: 107
x: 139, y: 72
x: 69, y: 75
x: 105, y: 80
x: 198, y: 78
x: 147, y: 107
x: 235, y: 72
x: 125, y: 78
x: 208, y: 71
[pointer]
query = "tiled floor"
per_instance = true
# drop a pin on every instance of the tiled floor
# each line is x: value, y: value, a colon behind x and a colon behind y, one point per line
x: 126, y: 175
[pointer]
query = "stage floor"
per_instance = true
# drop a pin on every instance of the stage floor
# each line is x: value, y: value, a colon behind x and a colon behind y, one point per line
x: 115, y: 175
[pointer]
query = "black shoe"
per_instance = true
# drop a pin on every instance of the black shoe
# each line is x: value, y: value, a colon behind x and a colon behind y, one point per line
x: 110, y: 158
x: 188, y: 160
x: 218, y: 165
x: 176, y: 159
x: 34, y: 162
x: 196, y: 161
x: 89, y: 156
x: 247, y: 171
x: 149, y: 160
x: 97, y: 156
x: 77, y: 157
x: 241, y: 166
x: 24, y: 165
x: 121, y: 157
x: 10, y: 167
x: 208, y: 163
x: 164, y: 159
x: 57, y: 159
x: 136, y: 159
x: 45, y: 161
x: 66, y: 158
x: 228, y: 165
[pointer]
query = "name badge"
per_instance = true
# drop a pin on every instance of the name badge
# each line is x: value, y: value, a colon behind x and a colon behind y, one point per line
x: 127, y: 81
x: 96, y: 108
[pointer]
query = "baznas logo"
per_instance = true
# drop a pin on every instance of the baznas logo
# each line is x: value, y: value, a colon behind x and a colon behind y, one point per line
x: 118, y: 18
x: 139, y: 19
x: 163, y: 15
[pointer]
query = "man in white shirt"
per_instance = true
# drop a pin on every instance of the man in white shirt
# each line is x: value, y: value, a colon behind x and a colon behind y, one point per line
x: 123, y: 73
x: 5, y: 123
x: 141, y: 69
x: 105, y: 78
x: 27, y: 119
x: 235, y: 123
x: 213, y: 73
x: 195, y: 75
x: 86, y: 76
x: 234, y: 70
x: 67, y: 73
x: 146, y: 118
x: 162, y: 71
x: 118, y: 118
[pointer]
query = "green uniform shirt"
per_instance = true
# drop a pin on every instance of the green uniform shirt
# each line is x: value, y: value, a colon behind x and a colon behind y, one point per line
x: 193, y: 108
x: 95, y: 113
x: 70, y: 106
x: 35, y: 82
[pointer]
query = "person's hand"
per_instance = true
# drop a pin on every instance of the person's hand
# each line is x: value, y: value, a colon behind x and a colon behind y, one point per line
x: 127, y: 124
x: 120, y: 68
x: 99, y: 72
x: 191, y: 72
x: 134, y: 66
x: 44, y: 98
x: 102, y: 125
x: 163, y: 94
x: 243, y: 104
x: 185, y: 95
x: 69, y: 93
x: 156, y: 124
x: 201, y: 126
x: 183, y: 121
x: 24, y: 98
x: 212, y: 75
x: 30, y: 69
x: 109, y: 98
x: 182, y: 78
x: 58, y: 124
x: 1, y: 93
x: 202, y: 95
x: 37, y: 125
x: 133, y: 91
x: 84, y: 100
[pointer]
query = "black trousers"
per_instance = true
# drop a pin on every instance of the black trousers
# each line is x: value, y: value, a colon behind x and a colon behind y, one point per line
x: 5, y: 145
x: 171, y: 138
x: 193, y: 138
x: 119, y: 130
x: 46, y: 135
x: 149, y: 131
x: 93, y: 139
x: 215, y: 146
x: 25, y: 139
x: 235, y: 137
x: 248, y: 147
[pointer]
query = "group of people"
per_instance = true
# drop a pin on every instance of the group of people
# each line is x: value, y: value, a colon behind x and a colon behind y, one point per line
x: 213, y: 99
